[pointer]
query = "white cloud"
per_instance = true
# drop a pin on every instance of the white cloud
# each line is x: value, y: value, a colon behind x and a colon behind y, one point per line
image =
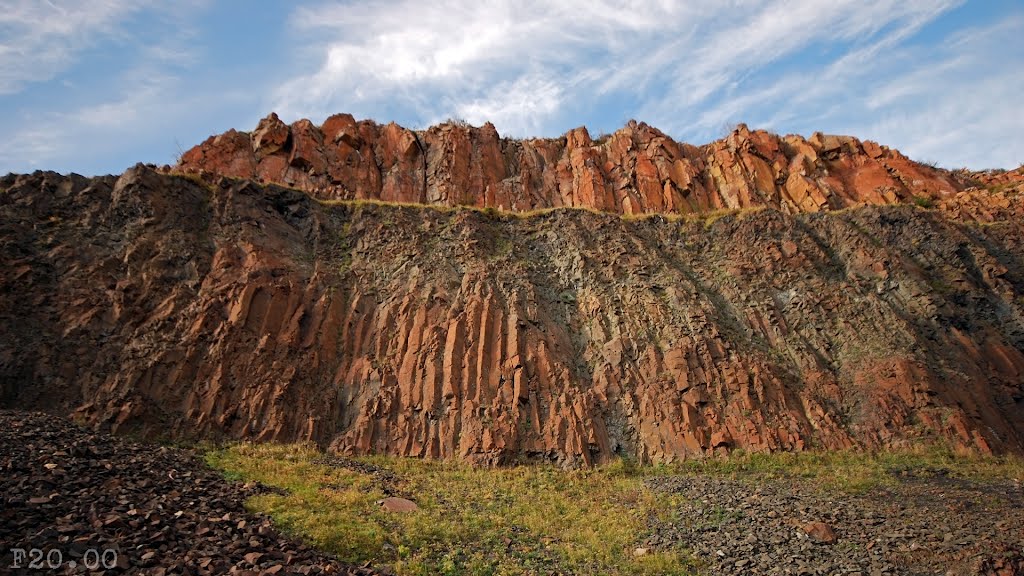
x: 149, y: 117
x: 518, y: 106
x: 960, y: 105
x: 806, y: 93
x: 952, y: 101
x: 460, y: 59
x: 91, y: 129
x: 39, y: 39
x: 686, y: 67
x: 106, y: 115
x: 532, y: 68
x: 778, y: 31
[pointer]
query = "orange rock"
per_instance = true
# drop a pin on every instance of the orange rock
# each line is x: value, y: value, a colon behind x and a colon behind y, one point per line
x: 820, y: 532
x: 638, y: 169
x: 270, y: 137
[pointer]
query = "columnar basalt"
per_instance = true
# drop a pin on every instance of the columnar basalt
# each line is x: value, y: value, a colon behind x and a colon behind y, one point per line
x: 170, y: 304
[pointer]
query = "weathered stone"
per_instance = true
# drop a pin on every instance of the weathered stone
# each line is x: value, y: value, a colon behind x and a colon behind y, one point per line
x: 396, y: 504
x: 270, y: 136
x: 104, y: 472
x: 820, y: 532
x: 637, y: 169
x: 906, y: 523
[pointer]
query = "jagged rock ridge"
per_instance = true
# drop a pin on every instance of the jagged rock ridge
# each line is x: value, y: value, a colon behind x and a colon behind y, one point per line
x: 174, y: 305
x: 638, y: 169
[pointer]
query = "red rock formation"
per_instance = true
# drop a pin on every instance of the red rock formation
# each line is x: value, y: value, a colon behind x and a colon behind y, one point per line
x: 989, y: 196
x: 635, y: 170
x: 170, y: 305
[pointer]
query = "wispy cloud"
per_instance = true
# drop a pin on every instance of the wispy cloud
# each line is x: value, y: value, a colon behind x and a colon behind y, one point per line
x: 467, y: 59
x: 950, y: 101
x: 39, y: 39
x: 88, y: 130
x: 801, y: 93
x: 446, y: 58
x: 110, y: 82
x: 140, y: 97
x: 959, y: 105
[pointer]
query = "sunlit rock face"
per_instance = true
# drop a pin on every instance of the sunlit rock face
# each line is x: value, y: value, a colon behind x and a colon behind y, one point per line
x: 638, y: 169
x: 213, y: 307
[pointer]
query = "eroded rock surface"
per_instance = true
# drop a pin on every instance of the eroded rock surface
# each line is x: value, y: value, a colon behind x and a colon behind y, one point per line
x: 173, y: 306
x: 638, y: 169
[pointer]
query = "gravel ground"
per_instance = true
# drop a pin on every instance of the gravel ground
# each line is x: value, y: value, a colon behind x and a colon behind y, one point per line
x: 85, y: 500
x: 918, y: 524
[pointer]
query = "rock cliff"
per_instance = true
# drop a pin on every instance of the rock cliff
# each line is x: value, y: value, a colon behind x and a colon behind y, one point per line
x: 211, y: 306
x: 638, y: 169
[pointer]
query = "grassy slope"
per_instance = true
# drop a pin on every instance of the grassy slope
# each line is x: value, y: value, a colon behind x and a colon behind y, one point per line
x: 519, y: 520
x: 528, y: 519
x: 854, y: 471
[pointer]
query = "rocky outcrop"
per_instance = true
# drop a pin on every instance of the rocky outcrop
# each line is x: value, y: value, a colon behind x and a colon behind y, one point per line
x: 638, y: 169
x: 170, y: 305
x: 988, y: 196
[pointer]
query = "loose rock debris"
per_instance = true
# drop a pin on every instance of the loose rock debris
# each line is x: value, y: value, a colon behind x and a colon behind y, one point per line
x: 77, y: 502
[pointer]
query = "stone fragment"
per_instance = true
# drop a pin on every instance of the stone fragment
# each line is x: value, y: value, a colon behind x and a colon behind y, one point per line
x: 104, y: 474
x: 270, y: 136
x: 396, y: 504
x: 820, y: 532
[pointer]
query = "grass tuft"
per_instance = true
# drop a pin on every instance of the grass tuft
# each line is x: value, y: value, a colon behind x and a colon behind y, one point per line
x: 924, y: 202
x: 534, y: 519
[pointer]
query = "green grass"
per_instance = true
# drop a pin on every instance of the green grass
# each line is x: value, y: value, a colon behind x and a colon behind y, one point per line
x: 924, y: 202
x: 536, y: 519
x: 856, y: 471
x: 517, y: 520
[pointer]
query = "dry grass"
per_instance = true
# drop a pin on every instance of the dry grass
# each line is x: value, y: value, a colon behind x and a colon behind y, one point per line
x: 517, y: 520
x: 707, y: 218
x: 374, y: 203
x: 534, y: 519
x: 856, y: 471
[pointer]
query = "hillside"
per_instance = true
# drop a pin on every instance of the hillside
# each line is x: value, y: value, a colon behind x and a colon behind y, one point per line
x: 209, y: 306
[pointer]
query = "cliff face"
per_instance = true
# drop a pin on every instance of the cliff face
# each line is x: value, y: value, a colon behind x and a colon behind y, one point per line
x: 637, y: 169
x: 173, y: 305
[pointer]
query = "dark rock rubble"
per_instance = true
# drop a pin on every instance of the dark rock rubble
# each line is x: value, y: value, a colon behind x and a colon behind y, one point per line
x: 917, y: 524
x: 89, y: 500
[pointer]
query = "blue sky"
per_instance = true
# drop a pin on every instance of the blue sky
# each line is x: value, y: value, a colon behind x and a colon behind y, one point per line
x: 93, y: 86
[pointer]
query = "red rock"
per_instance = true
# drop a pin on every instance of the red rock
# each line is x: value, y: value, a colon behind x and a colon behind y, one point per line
x: 270, y: 137
x: 342, y: 128
x: 165, y: 306
x: 820, y: 532
x: 638, y: 169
